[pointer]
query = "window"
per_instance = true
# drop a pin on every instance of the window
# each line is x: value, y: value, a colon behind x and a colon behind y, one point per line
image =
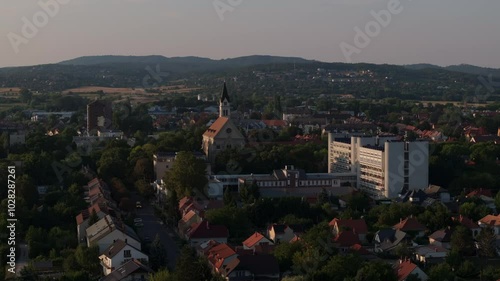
x: 217, y: 146
x: 127, y: 254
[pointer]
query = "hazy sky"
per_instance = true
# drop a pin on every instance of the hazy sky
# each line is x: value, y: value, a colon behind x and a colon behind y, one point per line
x: 440, y: 32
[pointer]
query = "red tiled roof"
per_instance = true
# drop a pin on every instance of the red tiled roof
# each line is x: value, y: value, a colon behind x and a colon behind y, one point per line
x: 479, y: 192
x: 347, y: 238
x: 465, y: 221
x: 358, y: 226
x: 404, y: 269
x: 204, y: 229
x: 360, y: 249
x: 184, y: 202
x: 85, y: 214
x: 491, y: 220
x: 213, y: 130
x: 409, y: 224
x: 275, y: 123
x: 253, y: 239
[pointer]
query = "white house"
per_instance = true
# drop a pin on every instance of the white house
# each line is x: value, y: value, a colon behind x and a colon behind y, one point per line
x: 107, y: 230
x: 119, y: 253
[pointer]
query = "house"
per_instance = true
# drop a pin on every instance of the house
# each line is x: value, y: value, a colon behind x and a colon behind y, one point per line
x: 132, y: 270
x: 107, y: 230
x: 469, y: 224
x: 252, y: 267
x: 358, y: 226
x: 492, y: 221
x: 204, y: 231
x: 220, y: 256
x: 439, y: 193
x: 346, y: 239
x: 406, y: 268
x: 414, y: 196
x: 82, y: 220
x: 441, y: 238
x: 280, y: 233
x: 386, y: 240
x: 254, y: 240
x: 478, y: 192
x: 187, y: 220
x: 119, y: 253
x: 411, y: 226
x: 430, y: 254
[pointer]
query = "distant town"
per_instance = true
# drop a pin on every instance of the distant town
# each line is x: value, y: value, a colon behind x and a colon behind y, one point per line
x: 290, y: 171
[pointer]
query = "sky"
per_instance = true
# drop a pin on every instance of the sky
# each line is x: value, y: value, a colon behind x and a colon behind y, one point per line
x: 444, y: 32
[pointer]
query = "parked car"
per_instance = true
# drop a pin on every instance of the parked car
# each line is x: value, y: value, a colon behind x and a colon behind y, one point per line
x: 138, y: 204
x: 138, y: 224
x: 137, y: 220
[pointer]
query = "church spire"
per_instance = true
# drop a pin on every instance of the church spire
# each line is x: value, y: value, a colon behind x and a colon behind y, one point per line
x: 224, y: 107
x: 225, y: 95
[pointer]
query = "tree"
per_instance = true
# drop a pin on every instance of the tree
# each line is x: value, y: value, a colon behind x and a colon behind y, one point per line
x: 144, y: 188
x: 339, y: 268
x: 93, y: 217
x: 143, y: 169
x: 233, y: 218
x: 249, y: 193
x: 490, y: 273
x: 284, y: 253
x: 228, y: 198
x: 172, y: 208
x: 189, y: 267
x: 468, y: 270
x: 86, y: 259
x: 441, y: 272
x: 461, y: 241
x: 161, y: 275
x: 497, y: 200
x: 486, y: 240
x: 187, y: 173
x: 157, y: 254
x: 376, y: 271
x: 454, y: 259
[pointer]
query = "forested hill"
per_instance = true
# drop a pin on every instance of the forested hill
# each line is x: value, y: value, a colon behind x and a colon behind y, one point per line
x: 257, y: 75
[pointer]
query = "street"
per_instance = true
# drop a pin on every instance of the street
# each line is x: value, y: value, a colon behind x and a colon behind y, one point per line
x: 153, y: 226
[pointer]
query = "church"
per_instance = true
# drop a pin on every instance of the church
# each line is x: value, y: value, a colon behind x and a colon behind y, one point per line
x: 223, y: 133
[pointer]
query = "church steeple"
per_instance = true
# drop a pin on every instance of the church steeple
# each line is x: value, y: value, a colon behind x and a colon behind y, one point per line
x: 224, y: 106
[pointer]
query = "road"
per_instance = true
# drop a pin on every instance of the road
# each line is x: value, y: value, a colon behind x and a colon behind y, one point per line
x: 23, y: 258
x: 153, y: 226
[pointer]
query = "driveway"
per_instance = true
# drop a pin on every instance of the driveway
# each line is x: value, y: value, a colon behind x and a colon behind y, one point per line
x: 153, y: 226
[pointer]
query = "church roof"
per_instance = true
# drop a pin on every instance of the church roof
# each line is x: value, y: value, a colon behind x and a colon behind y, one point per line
x: 216, y: 127
x: 225, y: 95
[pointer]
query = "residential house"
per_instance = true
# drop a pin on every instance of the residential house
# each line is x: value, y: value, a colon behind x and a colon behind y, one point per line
x: 438, y: 192
x: 107, y: 230
x: 204, y: 231
x: 430, y: 254
x: 386, y: 240
x: 358, y: 226
x: 254, y: 240
x: 82, y: 220
x: 441, y: 238
x: 280, y: 233
x: 345, y: 239
x: 492, y: 221
x: 405, y: 268
x: 411, y: 226
x: 479, y: 192
x: 252, y: 267
x: 118, y: 254
x: 469, y: 224
x: 132, y: 270
x: 219, y: 256
x: 187, y: 221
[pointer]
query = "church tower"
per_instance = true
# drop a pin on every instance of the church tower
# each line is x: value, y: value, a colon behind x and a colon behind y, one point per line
x: 224, y: 104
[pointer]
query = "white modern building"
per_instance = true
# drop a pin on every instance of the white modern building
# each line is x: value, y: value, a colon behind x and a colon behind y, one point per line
x: 384, y: 166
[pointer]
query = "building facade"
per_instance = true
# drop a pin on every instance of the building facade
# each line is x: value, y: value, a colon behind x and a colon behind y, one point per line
x: 223, y: 133
x: 99, y: 115
x: 385, y: 167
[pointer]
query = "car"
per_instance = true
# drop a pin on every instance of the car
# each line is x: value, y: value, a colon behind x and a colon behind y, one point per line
x: 138, y: 224
x: 137, y: 220
x: 138, y: 204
